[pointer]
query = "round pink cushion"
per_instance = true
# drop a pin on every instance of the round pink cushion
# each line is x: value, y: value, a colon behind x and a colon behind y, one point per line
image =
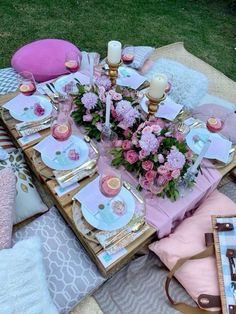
x: 45, y: 58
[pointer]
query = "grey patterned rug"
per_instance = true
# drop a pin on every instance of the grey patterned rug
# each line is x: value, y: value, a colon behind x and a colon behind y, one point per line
x: 139, y: 287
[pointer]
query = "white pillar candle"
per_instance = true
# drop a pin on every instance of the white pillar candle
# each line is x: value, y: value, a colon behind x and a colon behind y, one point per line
x: 91, y: 65
x: 158, y: 85
x: 200, y: 156
x: 114, y: 52
x: 108, y: 110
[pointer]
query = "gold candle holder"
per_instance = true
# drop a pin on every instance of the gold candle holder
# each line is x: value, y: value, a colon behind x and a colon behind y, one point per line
x: 153, y: 104
x: 113, y: 71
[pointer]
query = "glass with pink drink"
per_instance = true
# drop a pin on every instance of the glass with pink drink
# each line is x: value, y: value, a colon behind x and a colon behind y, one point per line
x: 110, y: 183
x: 72, y: 62
x: 27, y: 85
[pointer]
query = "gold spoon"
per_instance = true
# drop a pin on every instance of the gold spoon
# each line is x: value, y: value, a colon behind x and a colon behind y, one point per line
x: 135, y: 228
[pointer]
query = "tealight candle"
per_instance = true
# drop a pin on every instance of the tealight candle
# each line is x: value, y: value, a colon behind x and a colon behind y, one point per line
x: 114, y: 52
x: 158, y: 85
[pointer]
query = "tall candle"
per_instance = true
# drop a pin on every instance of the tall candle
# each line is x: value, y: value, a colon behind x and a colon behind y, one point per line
x: 108, y: 110
x: 200, y: 156
x: 91, y: 65
x: 158, y: 85
x: 114, y: 52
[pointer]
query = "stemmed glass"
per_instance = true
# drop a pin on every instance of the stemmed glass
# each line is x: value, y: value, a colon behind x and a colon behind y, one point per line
x: 27, y: 84
x: 72, y: 61
x: 110, y: 183
x: 128, y: 53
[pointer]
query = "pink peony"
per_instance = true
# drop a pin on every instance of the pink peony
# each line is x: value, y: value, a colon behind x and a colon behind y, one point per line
x: 162, y: 170
x: 150, y: 175
x: 175, y: 173
x: 118, y: 143
x: 156, y: 129
x: 131, y: 156
x: 160, y: 158
x: 126, y: 145
x: 176, y: 159
x: 147, y: 129
x: 144, y: 183
x: 147, y: 165
x: 89, y: 100
x: 87, y: 117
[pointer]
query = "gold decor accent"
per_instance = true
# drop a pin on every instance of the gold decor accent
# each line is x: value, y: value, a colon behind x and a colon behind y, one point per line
x: 153, y: 104
x: 113, y: 71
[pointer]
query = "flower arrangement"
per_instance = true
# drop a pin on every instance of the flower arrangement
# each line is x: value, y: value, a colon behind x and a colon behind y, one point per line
x: 91, y: 103
x: 158, y: 154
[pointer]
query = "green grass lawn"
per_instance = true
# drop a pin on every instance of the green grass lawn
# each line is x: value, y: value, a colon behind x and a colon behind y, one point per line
x: 208, y: 28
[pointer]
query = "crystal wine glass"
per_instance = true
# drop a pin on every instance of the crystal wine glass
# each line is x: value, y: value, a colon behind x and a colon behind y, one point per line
x: 27, y: 85
x: 128, y: 53
x: 72, y: 61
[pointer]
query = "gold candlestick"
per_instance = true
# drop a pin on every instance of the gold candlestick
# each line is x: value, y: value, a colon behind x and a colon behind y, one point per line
x: 153, y: 104
x: 113, y: 71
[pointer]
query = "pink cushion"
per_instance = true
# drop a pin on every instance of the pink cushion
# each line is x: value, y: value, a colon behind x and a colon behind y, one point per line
x: 199, y: 276
x: 45, y: 58
x: 7, y: 206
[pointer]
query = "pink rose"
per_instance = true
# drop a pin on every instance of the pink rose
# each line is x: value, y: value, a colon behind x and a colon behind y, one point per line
x: 102, y: 97
x: 150, y: 175
x: 38, y: 110
x: 147, y: 165
x: 162, y: 170
x: 179, y: 136
x: 116, y: 96
x: 111, y: 92
x: 118, y: 143
x: 87, y: 117
x: 131, y: 156
x: 189, y: 153
x: 126, y: 132
x: 155, y: 189
x: 126, y: 145
x: 160, y: 158
x: 175, y: 173
x: 167, y: 176
x: 147, y: 129
x: 142, y: 153
x: 114, y: 114
x: 145, y: 184
x: 156, y: 128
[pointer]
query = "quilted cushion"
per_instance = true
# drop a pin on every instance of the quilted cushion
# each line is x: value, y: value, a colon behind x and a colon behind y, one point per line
x: 8, y: 80
x: 44, y: 58
x: 199, y: 276
x: 28, y: 201
x: 5, y: 141
x: 23, y: 284
x: 7, y: 206
x: 70, y: 273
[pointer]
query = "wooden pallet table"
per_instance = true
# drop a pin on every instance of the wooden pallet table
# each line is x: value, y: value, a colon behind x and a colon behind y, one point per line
x: 65, y: 202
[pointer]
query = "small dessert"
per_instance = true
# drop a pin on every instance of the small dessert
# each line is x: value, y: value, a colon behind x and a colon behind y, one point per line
x: 110, y: 186
x: 61, y: 132
x: 168, y: 87
x: 27, y: 89
x: 73, y: 155
x: 127, y: 58
x: 214, y: 124
x: 72, y: 65
x: 38, y: 110
x: 118, y: 207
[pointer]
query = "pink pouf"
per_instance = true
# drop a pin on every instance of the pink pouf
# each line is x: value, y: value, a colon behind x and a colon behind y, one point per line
x: 45, y: 58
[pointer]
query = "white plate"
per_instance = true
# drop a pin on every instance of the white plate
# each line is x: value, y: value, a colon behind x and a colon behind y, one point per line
x: 61, y: 83
x: 203, y: 134
x: 62, y: 162
x: 28, y: 115
x: 96, y: 220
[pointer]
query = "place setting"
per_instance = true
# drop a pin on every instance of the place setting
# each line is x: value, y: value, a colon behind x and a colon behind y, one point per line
x: 115, y: 213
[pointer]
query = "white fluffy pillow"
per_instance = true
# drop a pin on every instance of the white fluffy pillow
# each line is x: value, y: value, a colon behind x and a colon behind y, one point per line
x: 23, y: 284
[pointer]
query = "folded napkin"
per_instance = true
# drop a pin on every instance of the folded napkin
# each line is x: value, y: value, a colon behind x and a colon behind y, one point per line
x: 31, y: 130
x: 78, y: 177
x: 129, y: 77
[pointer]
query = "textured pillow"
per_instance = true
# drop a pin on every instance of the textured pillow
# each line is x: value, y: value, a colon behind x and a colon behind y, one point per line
x: 7, y: 206
x: 44, y: 58
x: 23, y: 285
x: 5, y: 141
x: 71, y: 274
x: 28, y: 201
x: 187, y: 86
x: 199, y: 276
x: 142, y: 53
